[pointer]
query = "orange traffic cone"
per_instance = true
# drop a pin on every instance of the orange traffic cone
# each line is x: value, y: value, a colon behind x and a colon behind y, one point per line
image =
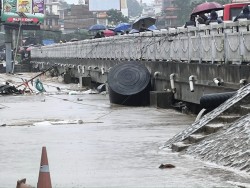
x: 44, y: 174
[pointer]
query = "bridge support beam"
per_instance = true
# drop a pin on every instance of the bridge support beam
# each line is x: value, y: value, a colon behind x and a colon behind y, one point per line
x: 85, y: 81
x: 161, y: 99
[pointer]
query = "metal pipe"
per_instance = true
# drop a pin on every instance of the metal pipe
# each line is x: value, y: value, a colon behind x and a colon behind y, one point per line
x: 79, y: 68
x: 172, y: 85
x: 191, y: 83
x: 156, y: 74
x: 102, y: 70
x: 243, y: 82
x: 217, y: 81
x: 83, y: 69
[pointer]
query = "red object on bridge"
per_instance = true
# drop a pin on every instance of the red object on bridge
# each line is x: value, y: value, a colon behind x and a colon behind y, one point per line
x: 232, y: 10
x: 108, y: 33
x: 44, y: 180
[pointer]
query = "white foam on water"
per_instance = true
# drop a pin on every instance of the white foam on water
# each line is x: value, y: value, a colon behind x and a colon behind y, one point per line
x: 44, y: 123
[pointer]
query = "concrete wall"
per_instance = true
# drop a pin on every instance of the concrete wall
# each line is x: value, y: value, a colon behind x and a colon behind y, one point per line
x: 204, y: 74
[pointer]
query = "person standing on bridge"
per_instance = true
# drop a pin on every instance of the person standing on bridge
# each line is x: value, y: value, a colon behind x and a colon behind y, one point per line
x: 191, y: 22
x: 202, y: 18
x: 98, y: 35
x: 102, y: 34
x: 143, y: 28
x: 214, y: 18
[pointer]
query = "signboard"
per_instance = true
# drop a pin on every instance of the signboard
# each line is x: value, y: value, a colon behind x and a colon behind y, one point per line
x: 25, y: 11
x: 104, y: 5
x: 38, y: 6
x: 9, y: 5
x: 24, y: 6
x: 34, y: 20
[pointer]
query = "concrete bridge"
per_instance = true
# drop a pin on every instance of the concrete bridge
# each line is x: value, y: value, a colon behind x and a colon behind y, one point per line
x: 189, y: 62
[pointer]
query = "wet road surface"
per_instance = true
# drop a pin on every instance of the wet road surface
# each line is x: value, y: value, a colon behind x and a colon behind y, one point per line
x: 114, y: 146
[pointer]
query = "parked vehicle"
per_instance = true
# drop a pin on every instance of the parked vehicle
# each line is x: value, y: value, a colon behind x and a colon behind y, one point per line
x: 232, y: 10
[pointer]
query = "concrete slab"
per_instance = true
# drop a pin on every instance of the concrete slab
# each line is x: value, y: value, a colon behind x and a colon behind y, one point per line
x: 212, y: 128
x: 245, y: 109
x: 194, y: 138
x: 228, y: 118
x: 161, y: 99
x: 179, y: 146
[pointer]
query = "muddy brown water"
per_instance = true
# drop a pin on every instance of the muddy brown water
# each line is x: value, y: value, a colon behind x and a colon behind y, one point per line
x: 114, y: 146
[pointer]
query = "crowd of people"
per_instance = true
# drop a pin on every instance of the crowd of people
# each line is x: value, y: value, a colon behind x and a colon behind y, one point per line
x: 213, y: 17
x: 203, y: 19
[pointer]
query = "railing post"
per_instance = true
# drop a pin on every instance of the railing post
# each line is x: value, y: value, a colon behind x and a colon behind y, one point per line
x: 243, y: 28
x: 192, y: 31
x: 229, y: 28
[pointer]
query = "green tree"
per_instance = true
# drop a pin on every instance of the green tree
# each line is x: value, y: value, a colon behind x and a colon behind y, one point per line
x: 64, y: 4
x: 183, y: 10
x: 134, y: 8
x: 115, y: 17
x: 219, y: 1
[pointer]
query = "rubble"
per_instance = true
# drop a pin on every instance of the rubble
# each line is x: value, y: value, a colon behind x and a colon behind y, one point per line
x: 6, y: 89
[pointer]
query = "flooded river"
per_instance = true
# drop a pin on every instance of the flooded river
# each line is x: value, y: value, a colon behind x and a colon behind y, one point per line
x: 112, y: 146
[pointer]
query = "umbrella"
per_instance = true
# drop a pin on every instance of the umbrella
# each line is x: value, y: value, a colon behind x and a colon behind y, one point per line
x: 97, y: 27
x: 122, y: 27
x: 143, y: 22
x: 108, y: 33
x: 207, y: 7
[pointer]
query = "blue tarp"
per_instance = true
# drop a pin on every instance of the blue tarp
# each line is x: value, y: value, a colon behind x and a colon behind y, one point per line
x: 48, y: 42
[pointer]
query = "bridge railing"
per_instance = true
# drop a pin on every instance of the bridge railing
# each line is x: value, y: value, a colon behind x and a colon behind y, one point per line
x: 227, y: 42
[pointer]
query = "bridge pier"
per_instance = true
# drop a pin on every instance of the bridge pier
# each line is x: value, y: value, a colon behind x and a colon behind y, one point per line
x: 165, y: 75
x: 85, y: 81
x: 161, y: 99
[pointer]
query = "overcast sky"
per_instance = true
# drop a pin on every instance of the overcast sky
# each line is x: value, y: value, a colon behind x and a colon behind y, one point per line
x: 76, y: 1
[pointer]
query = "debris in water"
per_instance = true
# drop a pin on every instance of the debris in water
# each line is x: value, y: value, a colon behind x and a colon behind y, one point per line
x: 163, y: 166
x: 7, y: 89
x: 101, y: 88
x: 22, y: 184
x: 80, y: 121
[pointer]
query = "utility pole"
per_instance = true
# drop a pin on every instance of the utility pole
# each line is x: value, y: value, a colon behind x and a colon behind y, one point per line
x: 10, y: 62
x: 8, y: 52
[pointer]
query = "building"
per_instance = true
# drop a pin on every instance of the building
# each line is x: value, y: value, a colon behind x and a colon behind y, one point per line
x: 169, y: 13
x: 78, y: 17
x: 51, y: 18
x: 124, y: 7
x: 158, y: 7
x: 101, y: 14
